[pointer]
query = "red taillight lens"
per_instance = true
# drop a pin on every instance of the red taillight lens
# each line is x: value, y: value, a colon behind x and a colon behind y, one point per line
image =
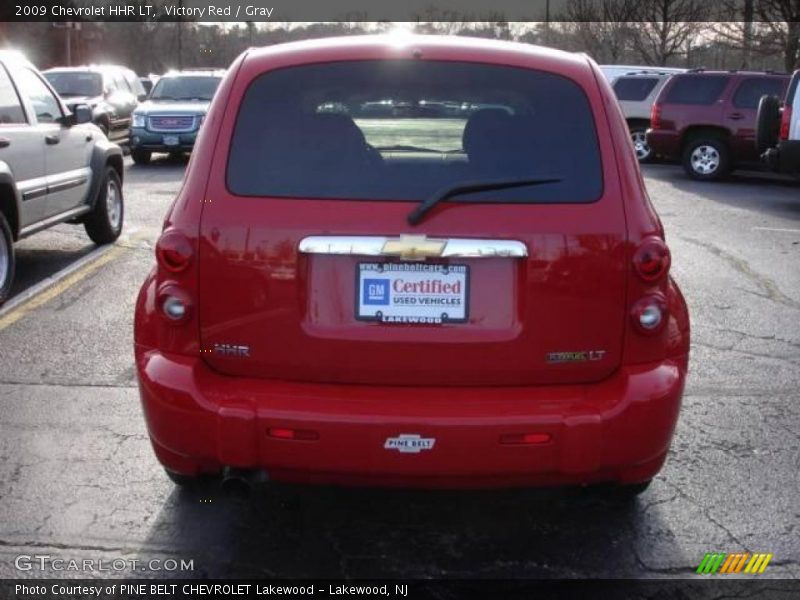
x: 786, y: 120
x: 174, y: 251
x: 655, y: 116
x: 649, y: 314
x: 652, y: 259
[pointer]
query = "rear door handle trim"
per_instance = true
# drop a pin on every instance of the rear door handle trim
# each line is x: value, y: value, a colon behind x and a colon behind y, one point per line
x: 4, y: 142
x: 51, y: 140
x: 736, y: 116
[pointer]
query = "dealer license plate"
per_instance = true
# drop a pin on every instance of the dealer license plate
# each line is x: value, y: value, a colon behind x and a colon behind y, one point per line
x: 171, y: 140
x: 412, y: 293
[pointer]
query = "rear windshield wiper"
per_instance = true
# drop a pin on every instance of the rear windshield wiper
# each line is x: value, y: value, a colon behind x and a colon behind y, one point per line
x: 416, y: 215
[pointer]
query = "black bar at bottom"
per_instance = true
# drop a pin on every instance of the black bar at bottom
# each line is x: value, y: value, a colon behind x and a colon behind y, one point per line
x: 605, y: 589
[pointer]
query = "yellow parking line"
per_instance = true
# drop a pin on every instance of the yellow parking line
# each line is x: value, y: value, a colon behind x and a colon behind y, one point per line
x: 62, y: 286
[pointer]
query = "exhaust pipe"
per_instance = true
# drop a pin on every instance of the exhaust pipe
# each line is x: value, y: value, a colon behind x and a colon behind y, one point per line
x: 239, y: 482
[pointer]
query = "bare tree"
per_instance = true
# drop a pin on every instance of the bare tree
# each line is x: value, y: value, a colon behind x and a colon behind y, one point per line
x: 767, y: 28
x: 779, y: 30
x: 603, y: 28
x: 667, y: 27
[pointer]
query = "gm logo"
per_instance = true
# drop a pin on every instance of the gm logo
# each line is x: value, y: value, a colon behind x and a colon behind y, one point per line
x: 375, y: 291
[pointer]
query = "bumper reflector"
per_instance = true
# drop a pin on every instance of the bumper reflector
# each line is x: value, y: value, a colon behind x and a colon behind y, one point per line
x: 518, y: 439
x: 292, y: 434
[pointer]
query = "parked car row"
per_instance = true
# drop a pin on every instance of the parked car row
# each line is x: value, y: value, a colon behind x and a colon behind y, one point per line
x: 150, y: 114
x: 709, y: 120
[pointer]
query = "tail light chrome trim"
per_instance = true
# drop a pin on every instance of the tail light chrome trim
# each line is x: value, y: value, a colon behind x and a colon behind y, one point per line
x: 412, y: 247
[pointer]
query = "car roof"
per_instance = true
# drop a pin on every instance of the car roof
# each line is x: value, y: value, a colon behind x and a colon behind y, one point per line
x: 732, y: 73
x: 647, y: 75
x: 382, y: 46
x: 645, y: 68
x: 195, y: 73
x: 89, y: 69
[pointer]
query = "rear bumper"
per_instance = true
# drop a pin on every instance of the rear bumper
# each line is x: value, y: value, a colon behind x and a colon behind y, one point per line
x: 616, y: 430
x: 665, y: 143
x: 785, y: 158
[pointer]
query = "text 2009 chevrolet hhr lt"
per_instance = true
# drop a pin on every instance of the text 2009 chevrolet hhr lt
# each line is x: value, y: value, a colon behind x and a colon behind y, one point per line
x: 414, y: 261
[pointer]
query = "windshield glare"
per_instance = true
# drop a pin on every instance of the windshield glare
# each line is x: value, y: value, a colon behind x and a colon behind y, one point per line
x: 402, y: 130
x: 76, y: 83
x: 185, y: 88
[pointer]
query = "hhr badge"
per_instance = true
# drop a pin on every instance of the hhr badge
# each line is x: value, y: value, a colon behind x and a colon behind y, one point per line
x: 232, y: 351
x: 411, y: 443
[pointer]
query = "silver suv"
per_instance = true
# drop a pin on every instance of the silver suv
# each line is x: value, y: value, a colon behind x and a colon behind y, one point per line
x: 55, y: 165
x: 637, y: 93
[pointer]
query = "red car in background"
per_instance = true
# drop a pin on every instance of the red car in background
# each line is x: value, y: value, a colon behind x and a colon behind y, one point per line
x: 436, y: 299
x: 707, y: 119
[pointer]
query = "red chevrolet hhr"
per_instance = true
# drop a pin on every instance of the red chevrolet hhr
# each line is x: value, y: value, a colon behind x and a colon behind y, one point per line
x: 417, y: 261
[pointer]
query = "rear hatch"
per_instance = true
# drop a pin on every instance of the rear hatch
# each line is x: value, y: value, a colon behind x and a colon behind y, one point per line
x: 310, y: 270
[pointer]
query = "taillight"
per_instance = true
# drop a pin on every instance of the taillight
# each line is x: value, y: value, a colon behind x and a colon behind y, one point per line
x: 651, y: 260
x: 174, y: 251
x: 655, y: 116
x: 649, y: 314
x: 786, y: 120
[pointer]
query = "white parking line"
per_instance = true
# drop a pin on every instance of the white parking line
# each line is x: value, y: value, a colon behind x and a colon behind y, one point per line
x: 776, y: 229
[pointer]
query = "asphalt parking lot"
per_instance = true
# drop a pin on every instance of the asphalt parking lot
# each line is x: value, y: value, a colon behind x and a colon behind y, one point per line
x: 78, y: 478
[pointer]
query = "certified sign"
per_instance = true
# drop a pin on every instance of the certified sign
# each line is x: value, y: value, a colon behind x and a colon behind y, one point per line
x: 412, y: 293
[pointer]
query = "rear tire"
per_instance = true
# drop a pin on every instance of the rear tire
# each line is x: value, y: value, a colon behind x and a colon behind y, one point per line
x: 768, y: 123
x: 141, y: 157
x: 7, y: 261
x: 644, y: 153
x: 104, y: 223
x: 706, y: 158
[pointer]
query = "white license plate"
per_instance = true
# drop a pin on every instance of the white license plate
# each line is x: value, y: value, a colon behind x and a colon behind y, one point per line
x: 172, y: 140
x: 412, y: 293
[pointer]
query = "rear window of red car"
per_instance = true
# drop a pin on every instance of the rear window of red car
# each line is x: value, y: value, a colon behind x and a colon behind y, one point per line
x: 402, y: 130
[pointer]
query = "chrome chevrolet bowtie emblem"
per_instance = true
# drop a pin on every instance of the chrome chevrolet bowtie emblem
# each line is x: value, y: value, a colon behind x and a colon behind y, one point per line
x: 413, y: 247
